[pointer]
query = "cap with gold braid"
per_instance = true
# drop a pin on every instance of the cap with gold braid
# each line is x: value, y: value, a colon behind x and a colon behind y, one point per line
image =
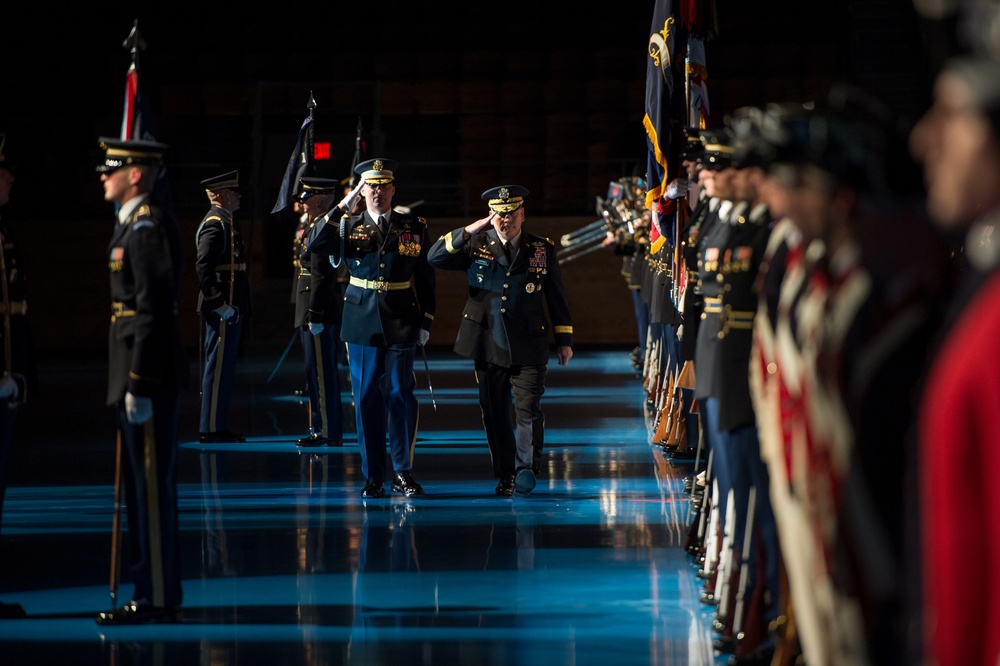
x: 309, y: 186
x: 377, y: 171
x: 226, y: 181
x: 119, y: 153
x: 505, y: 198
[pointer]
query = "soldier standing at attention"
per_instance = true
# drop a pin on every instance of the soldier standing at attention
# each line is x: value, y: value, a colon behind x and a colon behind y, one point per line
x: 224, y: 304
x: 18, y: 363
x: 388, y: 310
x: 958, y: 143
x: 147, y: 370
x: 513, y: 279
x: 317, y: 317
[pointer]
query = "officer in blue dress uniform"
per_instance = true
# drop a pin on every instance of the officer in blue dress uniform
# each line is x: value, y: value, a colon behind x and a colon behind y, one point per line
x: 223, y: 302
x: 146, y: 374
x: 513, y: 279
x: 388, y: 309
x: 18, y: 359
x: 318, y: 299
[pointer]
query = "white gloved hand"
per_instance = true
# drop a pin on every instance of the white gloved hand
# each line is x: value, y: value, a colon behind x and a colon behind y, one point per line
x: 225, y: 311
x: 423, y: 335
x: 138, y: 409
x: 678, y: 188
x: 8, y: 388
x: 316, y: 327
x: 347, y: 203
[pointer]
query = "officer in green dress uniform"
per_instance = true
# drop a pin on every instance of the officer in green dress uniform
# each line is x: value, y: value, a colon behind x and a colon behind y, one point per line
x: 513, y: 280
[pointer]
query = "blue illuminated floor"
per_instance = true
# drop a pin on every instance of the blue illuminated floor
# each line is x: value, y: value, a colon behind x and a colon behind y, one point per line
x: 285, y: 564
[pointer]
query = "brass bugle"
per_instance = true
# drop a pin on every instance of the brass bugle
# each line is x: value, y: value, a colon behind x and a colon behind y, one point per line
x: 583, y: 232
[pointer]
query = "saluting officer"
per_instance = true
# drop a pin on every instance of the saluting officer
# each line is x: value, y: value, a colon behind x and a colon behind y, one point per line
x: 513, y: 279
x: 223, y: 302
x: 317, y: 317
x: 147, y: 370
x: 388, y: 309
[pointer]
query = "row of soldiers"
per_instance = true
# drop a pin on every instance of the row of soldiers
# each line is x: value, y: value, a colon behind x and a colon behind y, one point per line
x: 793, y: 291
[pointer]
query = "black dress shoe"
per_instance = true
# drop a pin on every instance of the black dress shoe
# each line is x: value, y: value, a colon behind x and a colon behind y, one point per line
x: 221, y: 437
x: 404, y: 483
x: 506, y: 486
x: 11, y: 611
x: 373, y: 490
x: 132, y: 613
x: 318, y: 440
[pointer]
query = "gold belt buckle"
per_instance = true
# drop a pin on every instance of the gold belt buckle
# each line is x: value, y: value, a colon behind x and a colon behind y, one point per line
x: 380, y: 285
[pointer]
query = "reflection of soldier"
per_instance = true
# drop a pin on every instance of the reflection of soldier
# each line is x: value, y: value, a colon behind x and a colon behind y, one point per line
x: 217, y: 558
x: 147, y: 371
x: 389, y: 545
x: 318, y: 318
x: 18, y: 361
x: 224, y: 304
x: 515, y: 292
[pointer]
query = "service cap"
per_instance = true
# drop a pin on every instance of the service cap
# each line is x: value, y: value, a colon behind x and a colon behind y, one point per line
x: 377, y: 171
x: 505, y: 198
x: 226, y: 181
x: 310, y: 186
x: 119, y: 153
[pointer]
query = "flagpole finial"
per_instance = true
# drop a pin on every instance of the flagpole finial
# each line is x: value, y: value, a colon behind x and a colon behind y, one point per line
x: 311, y: 105
x: 134, y: 43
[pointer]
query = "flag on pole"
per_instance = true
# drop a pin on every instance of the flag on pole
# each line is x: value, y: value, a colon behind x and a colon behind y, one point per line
x: 300, y: 163
x: 137, y: 117
x: 697, y: 72
x: 659, y: 92
x: 359, y: 155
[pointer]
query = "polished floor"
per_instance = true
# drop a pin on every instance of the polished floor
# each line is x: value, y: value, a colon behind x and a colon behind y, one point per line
x: 284, y: 563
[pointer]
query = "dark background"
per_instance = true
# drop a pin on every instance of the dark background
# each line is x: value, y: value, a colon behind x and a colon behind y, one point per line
x: 464, y: 95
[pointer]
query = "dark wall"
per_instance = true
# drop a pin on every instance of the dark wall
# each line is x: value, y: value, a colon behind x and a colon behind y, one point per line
x: 464, y: 95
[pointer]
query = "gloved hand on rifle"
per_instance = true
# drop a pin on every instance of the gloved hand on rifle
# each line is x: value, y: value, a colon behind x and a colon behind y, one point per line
x: 138, y: 409
x: 423, y: 335
x: 316, y: 327
x: 678, y: 188
x: 225, y: 311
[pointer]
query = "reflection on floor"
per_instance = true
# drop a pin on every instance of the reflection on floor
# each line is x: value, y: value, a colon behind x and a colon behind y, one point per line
x: 284, y: 563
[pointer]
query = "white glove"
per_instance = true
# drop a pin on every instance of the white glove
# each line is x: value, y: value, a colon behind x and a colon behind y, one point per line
x: 138, y: 409
x: 678, y: 187
x: 316, y: 327
x: 347, y: 203
x: 423, y: 335
x: 225, y: 311
x: 8, y: 388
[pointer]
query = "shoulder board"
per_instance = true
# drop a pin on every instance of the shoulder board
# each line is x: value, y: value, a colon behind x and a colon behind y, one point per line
x: 213, y: 218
